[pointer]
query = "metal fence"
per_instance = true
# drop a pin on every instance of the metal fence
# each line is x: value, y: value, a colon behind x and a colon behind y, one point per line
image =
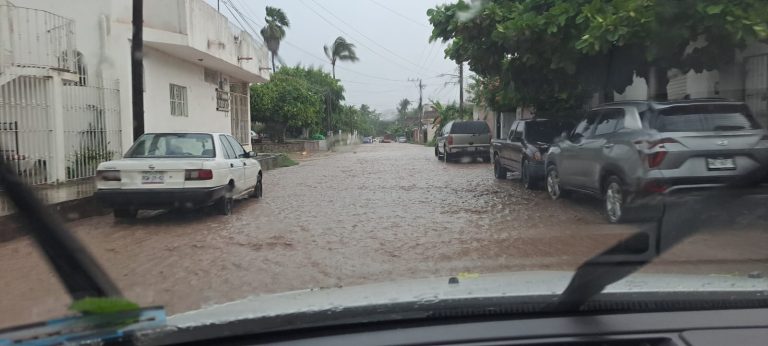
x: 37, y: 38
x: 42, y: 151
x: 240, y: 117
x: 91, y: 128
x: 26, y: 127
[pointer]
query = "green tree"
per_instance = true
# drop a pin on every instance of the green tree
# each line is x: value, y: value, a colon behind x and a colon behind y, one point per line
x: 553, y: 54
x: 340, y: 50
x: 448, y: 113
x: 274, y: 31
x: 323, y: 84
x: 402, y: 108
x: 285, y: 101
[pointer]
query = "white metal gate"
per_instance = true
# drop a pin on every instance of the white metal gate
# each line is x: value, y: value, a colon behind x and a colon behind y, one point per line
x: 91, y: 128
x: 240, y: 117
x: 26, y: 127
x: 756, y: 87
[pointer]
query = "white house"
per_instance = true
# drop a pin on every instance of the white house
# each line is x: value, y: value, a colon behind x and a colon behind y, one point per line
x: 744, y: 80
x: 65, y: 79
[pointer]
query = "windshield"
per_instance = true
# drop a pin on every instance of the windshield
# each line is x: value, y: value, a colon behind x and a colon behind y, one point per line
x: 204, y: 152
x: 469, y: 127
x: 695, y: 118
x: 544, y: 132
x: 167, y: 145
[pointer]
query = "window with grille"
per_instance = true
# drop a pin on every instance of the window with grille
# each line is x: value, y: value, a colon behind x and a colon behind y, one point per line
x: 178, y: 100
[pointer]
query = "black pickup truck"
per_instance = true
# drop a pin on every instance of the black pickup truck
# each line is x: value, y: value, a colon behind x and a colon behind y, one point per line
x: 524, y: 148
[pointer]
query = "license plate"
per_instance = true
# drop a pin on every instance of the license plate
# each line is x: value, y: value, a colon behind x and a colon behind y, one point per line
x: 470, y: 149
x: 721, y: 163
x: 153, y: 178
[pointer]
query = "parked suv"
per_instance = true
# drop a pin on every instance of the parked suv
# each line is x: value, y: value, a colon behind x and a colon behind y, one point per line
x: 524, y: 149
x: 464, y: 138
x: 629, y: 151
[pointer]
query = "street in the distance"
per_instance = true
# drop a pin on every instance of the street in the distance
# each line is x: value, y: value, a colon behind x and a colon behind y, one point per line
x: 372, y: 213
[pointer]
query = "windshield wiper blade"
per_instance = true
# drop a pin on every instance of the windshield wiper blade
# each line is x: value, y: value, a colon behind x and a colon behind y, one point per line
x: 76, y: 268
x: 683, y: 216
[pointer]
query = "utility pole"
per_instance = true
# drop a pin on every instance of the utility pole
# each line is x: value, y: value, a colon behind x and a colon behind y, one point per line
x: 461, y: 88
x: 421, y: 106
x: 137, y: 69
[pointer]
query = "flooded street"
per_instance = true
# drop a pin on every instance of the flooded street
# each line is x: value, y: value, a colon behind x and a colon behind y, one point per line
x: 382, y: 212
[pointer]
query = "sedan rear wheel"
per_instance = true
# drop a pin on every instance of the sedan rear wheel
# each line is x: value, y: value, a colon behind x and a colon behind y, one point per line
x: 224, y: 205
x: 258, y: 190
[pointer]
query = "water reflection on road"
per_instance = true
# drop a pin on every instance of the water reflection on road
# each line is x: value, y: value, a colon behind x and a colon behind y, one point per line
x: 379, y: 213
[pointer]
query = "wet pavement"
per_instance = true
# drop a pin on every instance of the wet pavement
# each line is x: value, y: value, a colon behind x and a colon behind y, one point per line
x: 381, y: 212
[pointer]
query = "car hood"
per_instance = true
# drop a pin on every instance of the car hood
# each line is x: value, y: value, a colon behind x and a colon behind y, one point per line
x: 434, y: 290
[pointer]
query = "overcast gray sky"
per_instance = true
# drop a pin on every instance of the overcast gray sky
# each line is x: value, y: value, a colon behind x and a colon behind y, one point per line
x: 391, y: 38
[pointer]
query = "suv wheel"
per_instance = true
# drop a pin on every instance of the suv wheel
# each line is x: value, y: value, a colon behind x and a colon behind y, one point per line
x: 498, y: 170
x: 445, y: 154
x: 554, y: 189
x: 614, y: 200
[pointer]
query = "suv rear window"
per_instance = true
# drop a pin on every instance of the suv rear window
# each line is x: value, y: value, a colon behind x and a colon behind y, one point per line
x: 544, y: 131
x: 708, y: 117
x: 470, y: 127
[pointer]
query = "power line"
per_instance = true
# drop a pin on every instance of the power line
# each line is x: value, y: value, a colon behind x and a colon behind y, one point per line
x: 254, y: 33
x: 360, y: 43
x: 322, y: 59
x: 398, y: 14
x: 366, y: 37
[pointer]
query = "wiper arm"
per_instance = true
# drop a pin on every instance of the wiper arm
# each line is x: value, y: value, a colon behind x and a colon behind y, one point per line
x: 76, y: 268
x: 683, y: 216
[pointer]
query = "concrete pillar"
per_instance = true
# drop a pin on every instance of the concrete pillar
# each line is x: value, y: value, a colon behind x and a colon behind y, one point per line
x: 57, y: 115
x: 6, y: 52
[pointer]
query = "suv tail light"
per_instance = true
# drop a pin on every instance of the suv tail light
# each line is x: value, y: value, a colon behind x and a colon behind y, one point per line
x: 110, y: 175
x: 655, y: 159
x: 198, y: 174
x: 450, y: 140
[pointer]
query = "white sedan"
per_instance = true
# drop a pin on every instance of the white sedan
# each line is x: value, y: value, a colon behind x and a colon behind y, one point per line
x: 179, y: 170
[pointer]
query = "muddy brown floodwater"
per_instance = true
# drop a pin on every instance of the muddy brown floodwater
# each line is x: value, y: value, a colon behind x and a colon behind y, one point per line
x: 381, y: 212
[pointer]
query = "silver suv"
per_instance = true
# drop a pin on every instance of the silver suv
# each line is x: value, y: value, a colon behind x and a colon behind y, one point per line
x: 629, y: 153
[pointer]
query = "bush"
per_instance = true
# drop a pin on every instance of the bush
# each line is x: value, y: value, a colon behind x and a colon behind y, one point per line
x: 317, y: 137
x: 285, y: 161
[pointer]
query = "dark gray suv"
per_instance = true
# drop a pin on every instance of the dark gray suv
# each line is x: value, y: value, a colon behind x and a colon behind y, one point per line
x: 629, y: 152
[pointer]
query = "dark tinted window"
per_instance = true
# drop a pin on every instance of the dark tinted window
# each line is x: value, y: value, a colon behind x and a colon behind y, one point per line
x: 470, y: 127
x: 514, y: 131
x: 239, y: 151
x: 172, y: 145
x: 229, y: 153
x: 708, y: 117
x: 584, y: 128
x: 544, y: 131
x: 609, y: 121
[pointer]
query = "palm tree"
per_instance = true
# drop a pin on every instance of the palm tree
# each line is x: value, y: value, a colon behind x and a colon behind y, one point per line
x: 274, y: 31
x: 340, y: 50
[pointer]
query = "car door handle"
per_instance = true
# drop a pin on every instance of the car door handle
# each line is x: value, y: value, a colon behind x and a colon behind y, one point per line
x: 231, y: 165
x: 607, y: 146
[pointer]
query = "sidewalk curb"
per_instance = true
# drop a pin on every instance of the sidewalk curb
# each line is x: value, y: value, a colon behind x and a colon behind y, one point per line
x: 76, y: 209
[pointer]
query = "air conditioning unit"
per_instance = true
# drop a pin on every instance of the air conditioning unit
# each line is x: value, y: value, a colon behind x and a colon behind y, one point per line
x: 224, y: 84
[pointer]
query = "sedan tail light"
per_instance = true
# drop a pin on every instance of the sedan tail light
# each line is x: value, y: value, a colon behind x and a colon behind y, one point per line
x: 110, y: 175
x: 198, y: 174
x: 450, y: 140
